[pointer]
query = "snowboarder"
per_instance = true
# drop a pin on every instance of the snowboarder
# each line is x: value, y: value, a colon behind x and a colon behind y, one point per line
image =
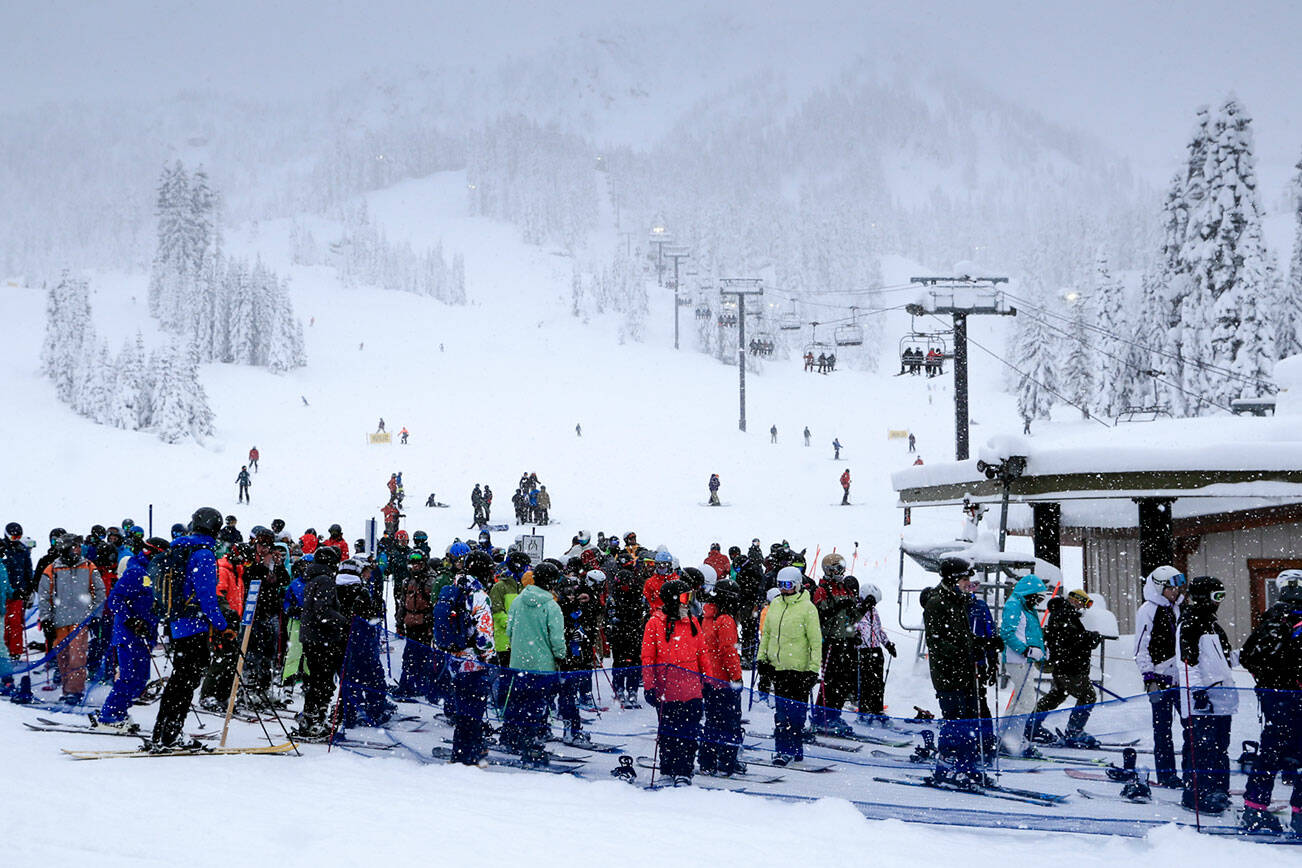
x: 845, y: 487
x: 488, y: 503
x: 806, y: 435
x: 544, y: 505
x: 243, y: 481
x: 253, y: 459
x: 477, y: 505
x: 714, y: 489
x: 773, y: 434
x: 836, y: 449
x: 1069, y: 646
x: 402, y: 435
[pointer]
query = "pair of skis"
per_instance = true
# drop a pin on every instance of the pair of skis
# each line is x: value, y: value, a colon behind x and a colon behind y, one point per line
x: 1012, y: 794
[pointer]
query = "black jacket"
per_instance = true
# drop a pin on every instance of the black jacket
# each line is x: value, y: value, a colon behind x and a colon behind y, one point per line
x: 1069, y: 642
x: 950, y: 643
x: 329, y: 607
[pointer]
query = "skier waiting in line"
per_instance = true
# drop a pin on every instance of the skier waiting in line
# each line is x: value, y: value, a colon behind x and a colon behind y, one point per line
x: 1023, y: 649
x: 870, y: 683
x: 1069, y: 646
x: 714, y: 489
x: 243, y: 481
x: 1208, y: 699
x: 950, y: 651
x: 1155, y: 655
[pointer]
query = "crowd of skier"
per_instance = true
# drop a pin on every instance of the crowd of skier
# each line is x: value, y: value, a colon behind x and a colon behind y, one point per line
x: 491, y: 626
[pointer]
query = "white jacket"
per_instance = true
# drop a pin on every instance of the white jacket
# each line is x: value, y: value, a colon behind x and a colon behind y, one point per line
x: 1211, y: 673
x: 1153, y: 600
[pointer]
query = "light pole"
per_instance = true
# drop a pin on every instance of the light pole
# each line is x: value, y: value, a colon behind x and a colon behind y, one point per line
x: 677, y: 254
x: 741, y: 287
x: 660, y: 237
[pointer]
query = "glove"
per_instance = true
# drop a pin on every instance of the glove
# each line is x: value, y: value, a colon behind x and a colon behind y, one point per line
x: 890, y: 648
x: 1154, y: 683
x: 990, y: 675
x: 811, y: 681
x: 140, y: 627
x: 229, y: 634
x: 652, y: 698
x: 1201, y: 701
x: 736, y: 686
x: 765, y: 669
x: 1034, y: 653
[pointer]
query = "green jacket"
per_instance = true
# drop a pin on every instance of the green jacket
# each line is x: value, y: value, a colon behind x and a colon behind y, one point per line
x: 536, y: 630
x: 500, y: 599
x: 792, y: 639
x: 950, y: 642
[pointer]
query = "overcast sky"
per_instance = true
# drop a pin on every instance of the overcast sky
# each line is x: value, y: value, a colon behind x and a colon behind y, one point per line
x: 1129, y: 71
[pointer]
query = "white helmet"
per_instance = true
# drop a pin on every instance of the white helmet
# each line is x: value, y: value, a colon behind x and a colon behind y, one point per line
x: 868, y: 589
x: 790, y: 577
x: 1167, y: 577
x: 1288, y: 579
x: 711, y: 577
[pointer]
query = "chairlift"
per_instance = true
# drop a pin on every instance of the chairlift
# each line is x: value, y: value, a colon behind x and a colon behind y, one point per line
x: 851, y: 334
x: 789, y: 322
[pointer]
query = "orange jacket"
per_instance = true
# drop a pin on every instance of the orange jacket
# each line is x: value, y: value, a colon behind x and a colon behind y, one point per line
x: 230, y: 584
x: 672, y: 668
x: 722, y: 662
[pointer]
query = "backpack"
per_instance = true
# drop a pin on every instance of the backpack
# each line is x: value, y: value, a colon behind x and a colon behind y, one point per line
x: 416, y: 602
x: 1273, y: 653
x: 454, y: 627
x: 169, y: 583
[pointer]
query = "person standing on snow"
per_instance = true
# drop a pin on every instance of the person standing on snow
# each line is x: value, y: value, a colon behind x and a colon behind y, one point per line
x: 535, y: 629
x: 673, y: 657
x: 1023, y: 649
x: 253, y: 459
x: 773, y: 434
x: 402, y: 435
x: 470, y: 655
x: 845, y: 487
x: 1208, y: 699
x: 1070, y: 645
x: 837, y: 602
x: 477, y: 505
x: 488, y: 503
x: 16, y: 559
x: 806, y: 435
x: 950, y: 652
x: 714, y: 489
x: 721, y: 694
x: 135, y: 630
x: 243, y: 481
x: 836, y: 449
x: 791, y: 647
x: 544, y: 505
x: 70, y: 591
x: 869, y: 680
x: 1156, y: 657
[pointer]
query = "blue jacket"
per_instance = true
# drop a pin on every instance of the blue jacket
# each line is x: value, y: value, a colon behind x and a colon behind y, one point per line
x: 133, y: 597
x: 1020, y: 626
x: 17, y: 561
x: 294, y: 597
x: 200, y: 584
x: 533, y: 498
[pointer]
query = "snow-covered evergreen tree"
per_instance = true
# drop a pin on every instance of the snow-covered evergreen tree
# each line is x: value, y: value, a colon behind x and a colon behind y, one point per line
x: 1291, y: 297
x: 1034, y: 357
x: 1077, y: 376
x: 1108, y: 310
x: 180, y: 403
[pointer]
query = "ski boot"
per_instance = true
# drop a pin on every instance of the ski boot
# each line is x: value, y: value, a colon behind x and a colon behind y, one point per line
x: 925, y: 752
x: 682, y: 780
x: 1137, y: 790
x: 1214, y: 803
x: 1080, y: 740
x: 1039, y: 735
x: 737, y: 768
x: 1258, y: 820
x: 834, y: 726
x: 944, y: 776
x: 1248, y: 758
x: 782, y: 760
x: 586, y: 703
x: 72, y: 698
x: 126, y: 725
x: 23, y: 695
x: 534, y: 755
x: 211, y: 703
x: 574, y: 736
x: 625, y: 771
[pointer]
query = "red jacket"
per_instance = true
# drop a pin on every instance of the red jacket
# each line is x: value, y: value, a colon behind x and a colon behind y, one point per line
x: 253, y: 455
x: 718, y: 560
x: 309, y: 542
x: 230, y: 584
x: 845, y: 479
x: 341, y: 544
x: 651, y: 590
x: 672, y: 668
x: 722, y: 662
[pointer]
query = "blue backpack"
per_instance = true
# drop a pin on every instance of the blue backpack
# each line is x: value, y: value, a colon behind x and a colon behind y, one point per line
x: 454, y: 626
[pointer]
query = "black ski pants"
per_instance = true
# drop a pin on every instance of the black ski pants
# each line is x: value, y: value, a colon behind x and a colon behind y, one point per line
x: 189, y: 661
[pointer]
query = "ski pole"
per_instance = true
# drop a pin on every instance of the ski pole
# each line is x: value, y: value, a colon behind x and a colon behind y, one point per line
x: 272, y: 706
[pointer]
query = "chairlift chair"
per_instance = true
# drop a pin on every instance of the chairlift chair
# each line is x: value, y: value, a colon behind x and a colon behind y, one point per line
x: 789, y: 322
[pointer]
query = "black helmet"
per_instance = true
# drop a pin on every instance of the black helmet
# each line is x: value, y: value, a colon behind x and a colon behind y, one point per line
x: 327, y: 556
x: 70, y: 548
x: 479, y: 564
x: 178, y: 529
x: 546, y: 575
x: 417, y: 556
x: 419, y: 536
x: 671, y: 592
x: 1206, y: 591
x: 206, y: 521
x: 727, y: 596
x: 695, y: 578
x: 277, y: 524
x: 156, y: 544
x: 953, y: 567
x: 334, y: 529
x: 97, y: 530
x: 56, y: 533
x: 230, y: 519
x: 13, y: 528
x: 517, y: 560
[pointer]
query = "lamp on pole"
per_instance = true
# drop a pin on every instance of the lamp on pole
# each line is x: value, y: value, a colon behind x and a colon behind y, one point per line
x: 660, y: 237
x: 677, y: 254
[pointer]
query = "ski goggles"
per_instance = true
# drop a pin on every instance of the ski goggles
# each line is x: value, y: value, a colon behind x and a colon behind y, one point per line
x: 1179, y: 580
x: 1217, y: 596
x: 787, y: 584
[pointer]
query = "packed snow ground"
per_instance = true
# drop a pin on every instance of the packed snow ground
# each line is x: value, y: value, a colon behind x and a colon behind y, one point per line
x: 490, y: 391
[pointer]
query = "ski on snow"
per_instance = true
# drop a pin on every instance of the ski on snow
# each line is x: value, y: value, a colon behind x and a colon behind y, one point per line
x: 1026, y: 796
x: 747, y: 777
x: 271, y: 750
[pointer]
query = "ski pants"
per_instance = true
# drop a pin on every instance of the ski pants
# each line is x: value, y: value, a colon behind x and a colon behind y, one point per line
x: 626, y: 658
x: 677, y: 737
x: 567, y: 697
x: 1280, y: 747
x: 839, y: 663
x: 295, y: 668
x: 871, y: 684
x: 1207, y: 753
x: 721, y: 732
x: 72, y: 656
x: 791, y: 692
x: 15, y: 612
x: 260, y: 657
x: 244, y: 494
x: 133, y: 675
x: 1014, y: 726
x: 324, y: 660
x: 190, y: 657
x: 417, y: 676
x: 1074, y: 684
x: 221, y: 671
x: 470, y: 703
x: 527, y: 696
x: 362, y: 687
x: 958, y: 734
x: 1164, y: 704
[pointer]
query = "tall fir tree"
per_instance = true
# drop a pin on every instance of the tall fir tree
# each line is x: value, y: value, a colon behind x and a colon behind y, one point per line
x: 1078, y: 374
x: 1291, y: 336
x: 1113, y: 374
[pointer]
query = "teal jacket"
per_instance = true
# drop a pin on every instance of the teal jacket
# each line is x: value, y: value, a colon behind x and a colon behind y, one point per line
x: 536, y: 631
x: 1020, y: 625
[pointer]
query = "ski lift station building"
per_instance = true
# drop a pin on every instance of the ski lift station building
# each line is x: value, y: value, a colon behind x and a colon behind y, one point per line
x: 1231, y: 509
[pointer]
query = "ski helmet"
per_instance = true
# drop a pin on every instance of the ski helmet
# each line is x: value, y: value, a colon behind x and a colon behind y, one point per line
x: 13, y: 529
x: 1206, y: 591
x: 954, y: 567
x: 710, y: 577
x: 70, y: 549
x: 595, y: 578
x: 156, y: 544
x: 401, y: 536
x: 328, y: 556
x: 458, y: 549
x: 97, y: 530
x: 1167, y: 577
x: 416, y: 557
x: 694, y: 578
x: 517, y: 561
x: 479, y: 564
x: 869, y: 589
x: 336, y: 529
x: 1079, y: 596
x: 178, y: 529
x: 56, y: 533
x: 834, y: 565
x: 727, y: 596
x: 206, y: 521
x: 584, y: 537
x: 675, y: 591
x: 546, y: 575
x: 664, y: 562
x: 1289, y: 585
x: 419, y: 536
x: 789, y: 579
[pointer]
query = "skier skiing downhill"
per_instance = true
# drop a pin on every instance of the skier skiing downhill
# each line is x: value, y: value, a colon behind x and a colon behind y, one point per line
x: 1023, y: 649
x: 253, y: 459
x: 714, y: 489
x: 1155, y: 655
x: 243, y: 481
